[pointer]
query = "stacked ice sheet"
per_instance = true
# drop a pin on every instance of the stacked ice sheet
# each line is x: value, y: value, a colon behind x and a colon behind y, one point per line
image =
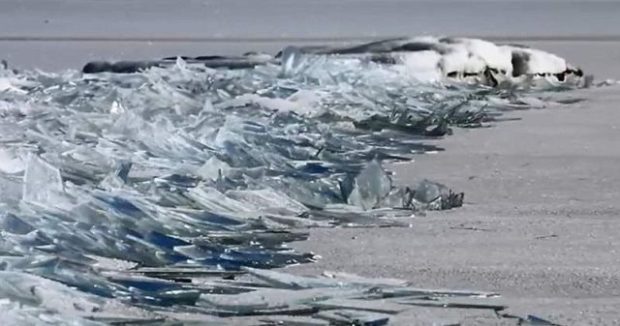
x: 425, y: 58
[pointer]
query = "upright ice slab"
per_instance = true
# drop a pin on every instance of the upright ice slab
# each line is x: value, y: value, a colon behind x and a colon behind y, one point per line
x: 42, y: 182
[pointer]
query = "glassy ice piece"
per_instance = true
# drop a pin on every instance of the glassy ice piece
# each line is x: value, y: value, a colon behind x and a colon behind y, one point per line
x: 192, y: 251
x: 37, y: 291
x: 11, y: 161
x: 370, y: 186
x: 366, y: 305
x: 42, y: 182
x: 289, y: 281
x: 282, y: 221
x: 399, y: 198
x: 183, y: 272
x: 414, y: 292
x: 229, y: 132
x: 13, y: 224
x: 354, y: 317
x: 119, y: 177
x: 270, y: 299
x: 292, y: 60
x: 353, y: 216
x: 437, y: 196
x: 13, y: 291
x: 215, y: 201
x: 213, y: 169
x: 268, y: 199
x: 534, y: 320
x: 11, y: 189
x: 238, y: 304
x: 107, y: 263
x: 122, y: 170
x: 265, y: 238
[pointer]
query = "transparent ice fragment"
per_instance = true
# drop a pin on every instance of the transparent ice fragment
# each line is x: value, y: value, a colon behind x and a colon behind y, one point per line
x: 215, y: 201
x: 268, y: 200
x: 213, y: 169
x: 117, y: 108
x: 8, y: 84
x: 370, y: 186
x: 119, y: 177
x: 11, y: 161
x: 11, y: 189
x: 14, y: 291
x: 42, y: 182
x: 229, y: 132
x: 271, y: 299
x: 289, y: 281
x: 394, y: 292
x: 436, y: 196
x: 353, y: 216
x: 248, y: 302
x: 13, y: 224
x: 399, y: 198
x: 354, y: 304
x: 37, y: 291
x: 354, y: 317
x: 208, y: 105
x: 534, y: 320
x: 292, y: 61
x: 106, y: 263
x: 192, y: 251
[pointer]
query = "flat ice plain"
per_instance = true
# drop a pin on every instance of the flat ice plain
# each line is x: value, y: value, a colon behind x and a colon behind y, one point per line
x: 541, y: 219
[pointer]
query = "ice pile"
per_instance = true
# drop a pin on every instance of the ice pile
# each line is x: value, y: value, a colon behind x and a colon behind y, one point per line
x: 189, y: 172
x: 424, y: 58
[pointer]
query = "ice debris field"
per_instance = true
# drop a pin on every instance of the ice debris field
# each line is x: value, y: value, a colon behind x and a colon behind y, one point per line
x: 164, y: 191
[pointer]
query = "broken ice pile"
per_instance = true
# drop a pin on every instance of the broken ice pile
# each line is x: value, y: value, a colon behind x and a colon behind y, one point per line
x: 193, y: 172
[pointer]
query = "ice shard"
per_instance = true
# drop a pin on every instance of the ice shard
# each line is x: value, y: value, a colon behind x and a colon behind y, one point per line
x: 370, y: 186
x: 42, y: 182
x: 436, y: 196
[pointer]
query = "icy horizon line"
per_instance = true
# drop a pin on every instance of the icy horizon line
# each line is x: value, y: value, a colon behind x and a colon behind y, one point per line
x: 236, y: 39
